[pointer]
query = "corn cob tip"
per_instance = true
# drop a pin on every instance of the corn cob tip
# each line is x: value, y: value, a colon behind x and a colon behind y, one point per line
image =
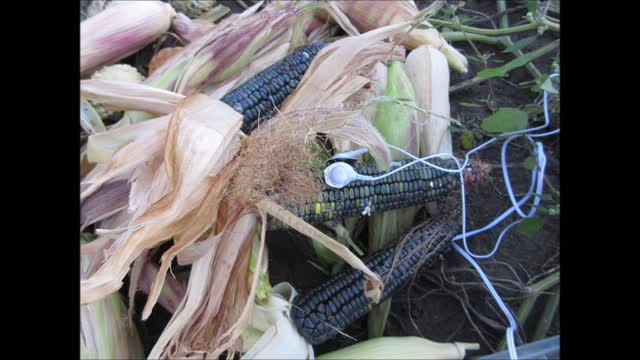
x: 476, y: 172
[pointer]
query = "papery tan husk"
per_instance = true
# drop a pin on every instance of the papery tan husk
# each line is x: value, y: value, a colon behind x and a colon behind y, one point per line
x: 122, y: 95
x: 196, y: 149
x: 217, y: 293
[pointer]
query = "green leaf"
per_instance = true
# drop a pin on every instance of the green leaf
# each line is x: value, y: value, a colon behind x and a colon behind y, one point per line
x: 530, y: 226
x: 544, y: 197
x: 517, y: 62
x: 533, y: 109
x: 528, y: 82
x: 529, y: 163
x: 87, y: 237
x: 473, y: 58
x: 464, y: 19
x: 542, y: 209
x: 504, y: 69
x: 532, y: 7
x: 424, y: 27
x: 505, y: 120
x: 467, y: 139
x: 520, y: 44
x: 471, y: 105
x: 554, y: 210
x: 548, y: 86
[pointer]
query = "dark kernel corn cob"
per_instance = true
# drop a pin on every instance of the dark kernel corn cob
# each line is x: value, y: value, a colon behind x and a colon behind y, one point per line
x: 258, y: 98
x: 415, y: 185
x: 319, y: 313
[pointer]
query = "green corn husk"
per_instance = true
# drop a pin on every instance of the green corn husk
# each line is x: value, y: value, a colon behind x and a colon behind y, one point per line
x: 398, y: 124
x: 104, y: 329
x: 263, y: 290
x: 409, y: 347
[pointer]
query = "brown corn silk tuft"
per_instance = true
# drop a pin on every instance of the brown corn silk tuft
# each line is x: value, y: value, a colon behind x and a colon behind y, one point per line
x: 279, y: 161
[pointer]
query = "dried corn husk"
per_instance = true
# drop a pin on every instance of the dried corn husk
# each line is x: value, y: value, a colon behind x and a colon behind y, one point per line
x: 260, y: 62
x: 217, y: 295
x: 120, y: 31
x: 172, y: 292
x: 369, y: 15
x: 101, y: 147
x: 197, y: 146
x: 104, y: 330
x: 109, y: 199
x: 229, y: 47
x: 189, y: 30
x: 121, y: 95
x: 335, y: 73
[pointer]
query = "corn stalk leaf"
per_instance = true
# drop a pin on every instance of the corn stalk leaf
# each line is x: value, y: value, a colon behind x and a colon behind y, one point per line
x: 530, y: 226
x: 517, y: 62
x: 520, y: 44
x: 505, y: 120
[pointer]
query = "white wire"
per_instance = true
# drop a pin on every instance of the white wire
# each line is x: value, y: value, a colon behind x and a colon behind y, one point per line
x: 537, y: 182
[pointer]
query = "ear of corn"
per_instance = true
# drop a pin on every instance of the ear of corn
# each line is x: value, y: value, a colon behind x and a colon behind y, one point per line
x: 399, y: 126
x: 120, y: 31
x: 417, y: 184
x: 331, y: 307
x: 428, y: 71
x: 409, y: 347
x: 258, y: 98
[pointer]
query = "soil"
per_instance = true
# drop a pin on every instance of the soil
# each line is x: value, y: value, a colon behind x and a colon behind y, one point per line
x: 449, y: 302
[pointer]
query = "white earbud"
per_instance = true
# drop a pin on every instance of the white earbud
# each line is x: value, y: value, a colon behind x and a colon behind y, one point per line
x: 340, y: 174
